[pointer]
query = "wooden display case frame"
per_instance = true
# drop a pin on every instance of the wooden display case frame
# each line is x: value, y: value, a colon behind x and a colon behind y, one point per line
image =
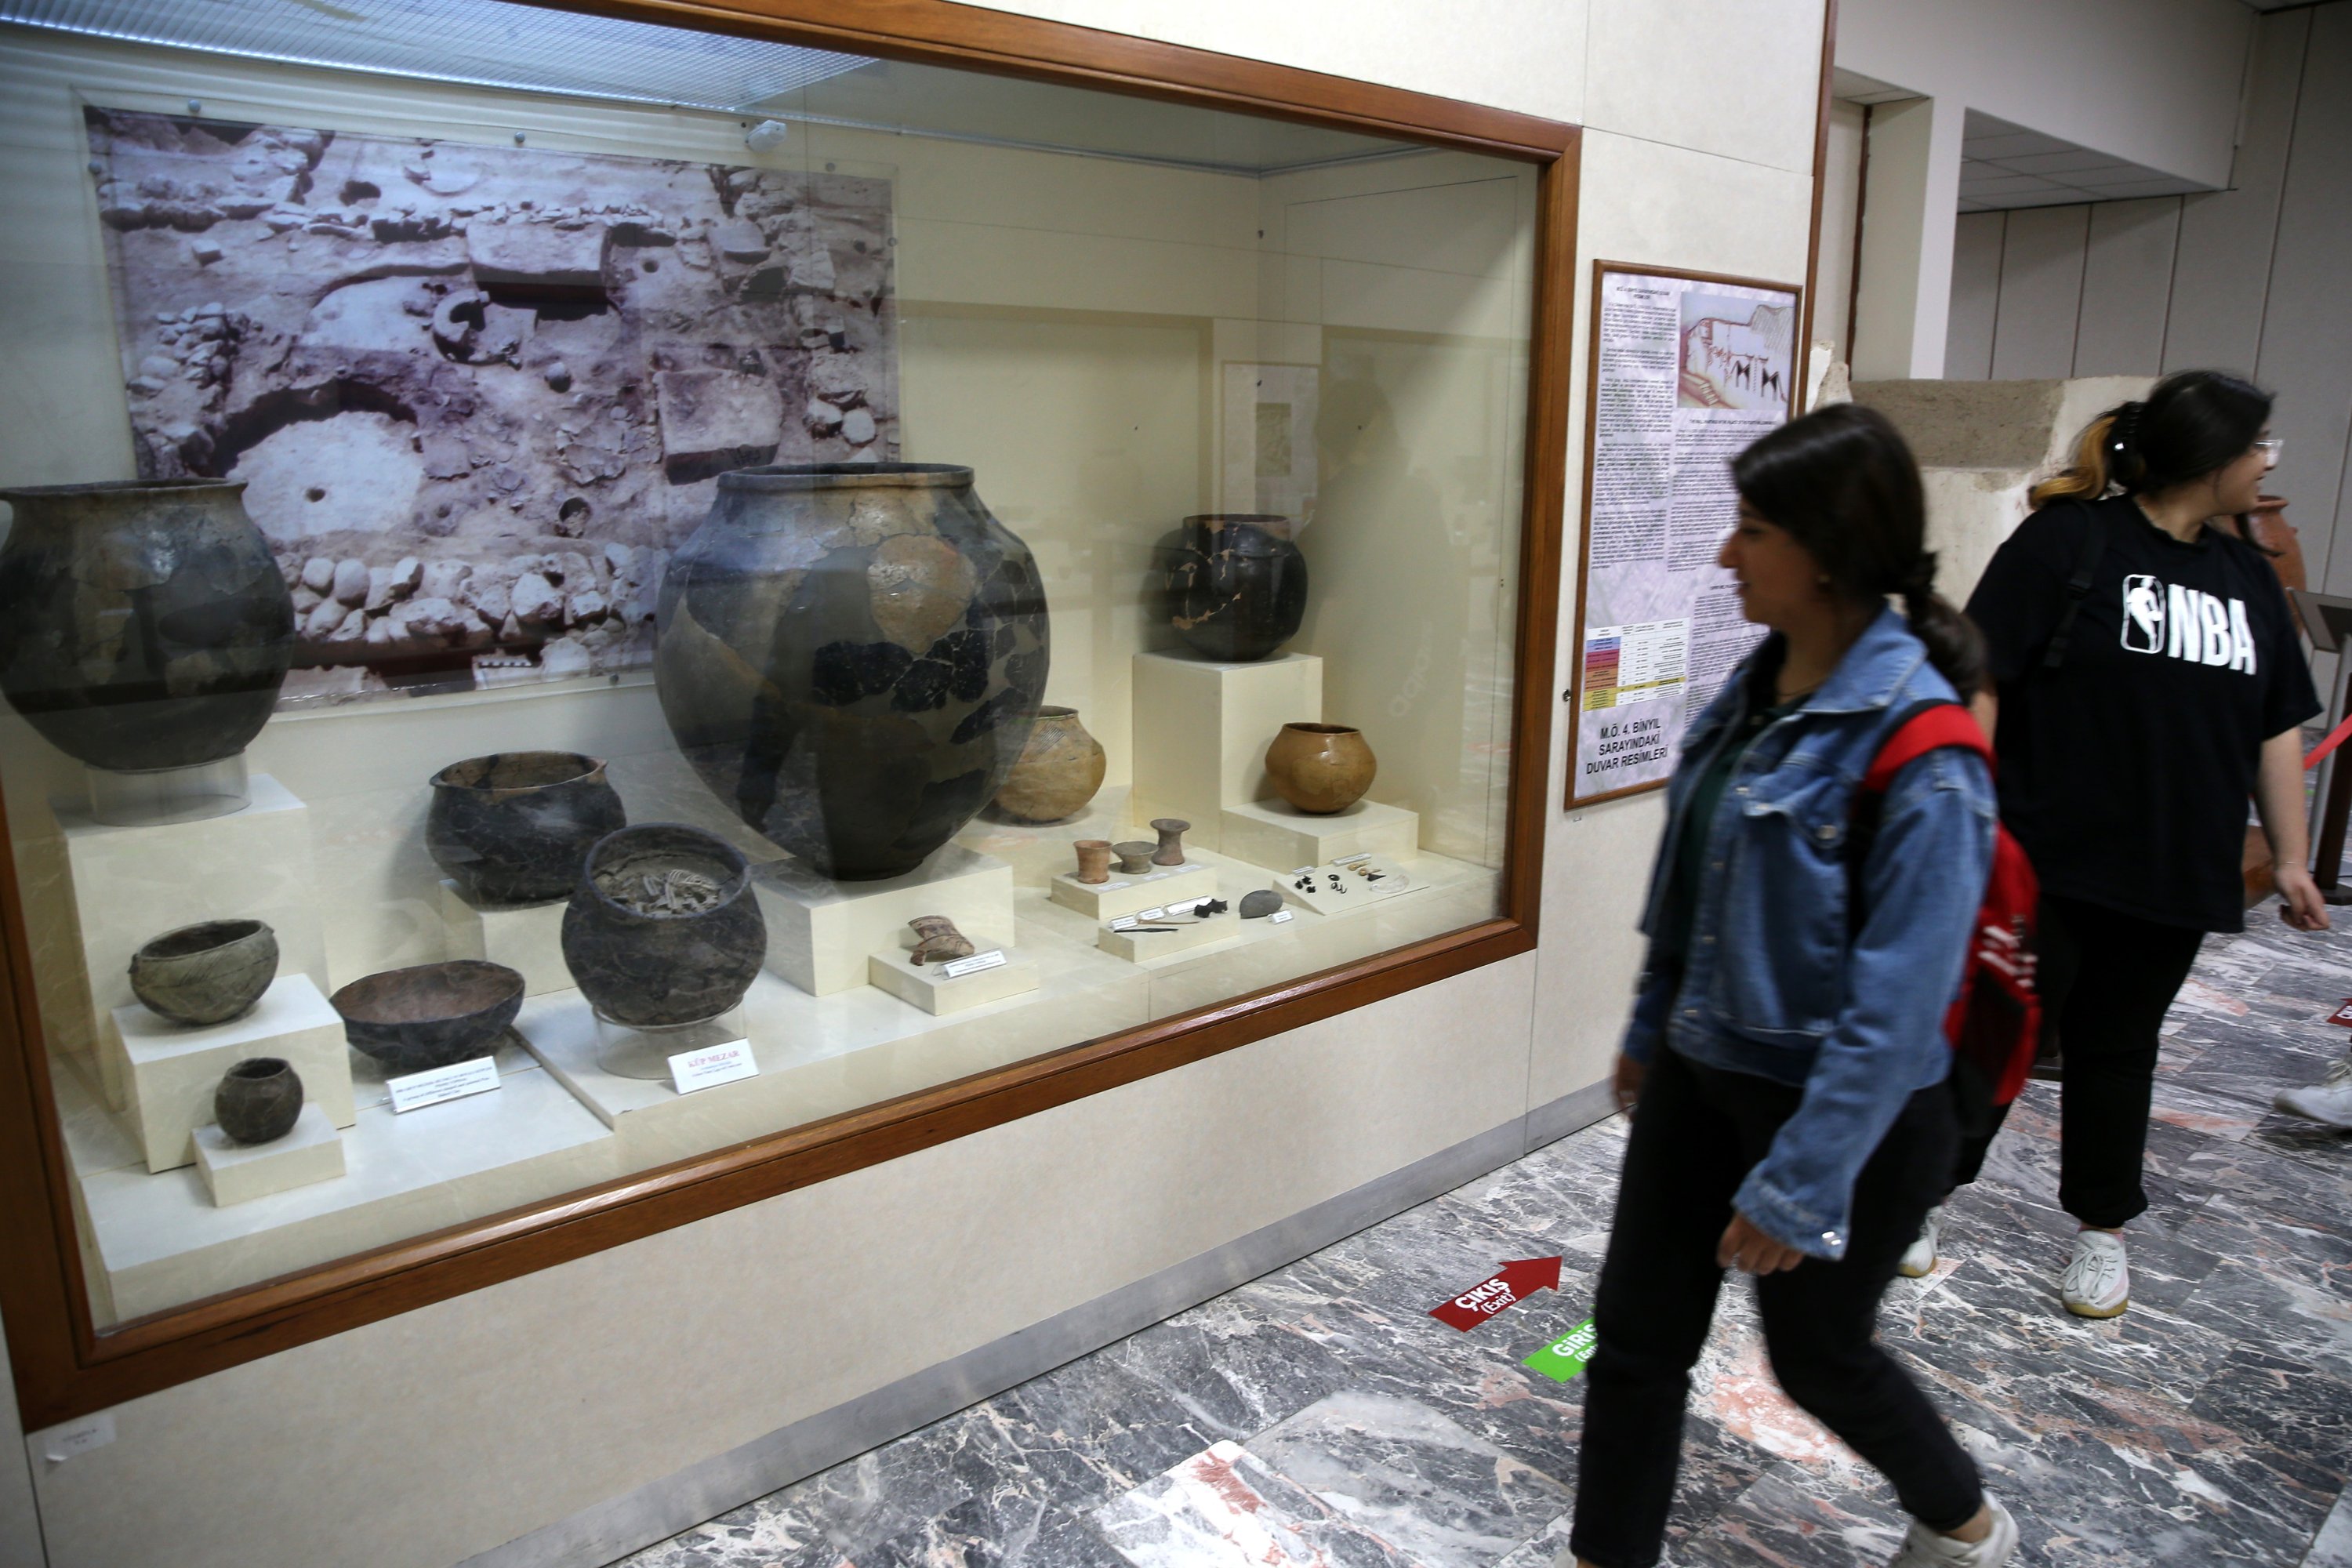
x: 64, y: 1367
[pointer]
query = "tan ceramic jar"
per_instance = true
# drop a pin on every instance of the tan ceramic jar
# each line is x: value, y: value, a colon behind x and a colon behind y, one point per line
x: 1320, y: 768
x: 1059, y: 773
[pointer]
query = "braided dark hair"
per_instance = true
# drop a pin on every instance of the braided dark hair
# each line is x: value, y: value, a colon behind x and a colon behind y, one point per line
x: 1843, y: 482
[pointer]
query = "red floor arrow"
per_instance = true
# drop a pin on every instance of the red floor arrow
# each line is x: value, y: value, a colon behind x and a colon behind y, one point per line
x: 1515, y: 1282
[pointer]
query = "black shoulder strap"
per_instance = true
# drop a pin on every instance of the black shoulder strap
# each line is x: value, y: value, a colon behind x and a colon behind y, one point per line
x: 2078, y: 586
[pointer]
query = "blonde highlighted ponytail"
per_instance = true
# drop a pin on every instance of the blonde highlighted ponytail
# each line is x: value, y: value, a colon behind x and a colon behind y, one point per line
x: 2088, y: 477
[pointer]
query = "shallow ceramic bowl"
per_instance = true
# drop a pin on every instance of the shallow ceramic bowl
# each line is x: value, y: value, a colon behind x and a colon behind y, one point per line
x: 206, y: 974
x: 431, y: 1015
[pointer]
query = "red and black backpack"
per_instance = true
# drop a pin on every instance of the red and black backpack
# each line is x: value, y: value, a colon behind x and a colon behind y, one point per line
x: 1995, y: 1021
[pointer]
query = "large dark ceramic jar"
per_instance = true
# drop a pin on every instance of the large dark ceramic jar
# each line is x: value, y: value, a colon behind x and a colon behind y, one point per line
x: 142, y: 626
x: 511, y: 827
x: 663, y: 929
x: 850, y: 656
x: 1236, y: 587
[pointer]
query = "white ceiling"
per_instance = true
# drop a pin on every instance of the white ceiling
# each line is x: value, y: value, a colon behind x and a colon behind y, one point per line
x: 2004, y: 165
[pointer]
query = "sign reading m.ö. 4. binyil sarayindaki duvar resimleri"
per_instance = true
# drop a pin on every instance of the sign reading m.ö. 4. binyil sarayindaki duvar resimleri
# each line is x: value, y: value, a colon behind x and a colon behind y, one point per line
x: 1686, y: 371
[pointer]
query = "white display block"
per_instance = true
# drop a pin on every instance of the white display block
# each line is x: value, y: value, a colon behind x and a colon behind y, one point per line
x: 1201, y: 728
x: 1351, y: 893
x: 131, y: 884
x: 923, y: 985
x: 170, y: 1071
x: 1125, y: 895
x: 821, y: 932
x: 239, y: 1173
x: 1141, y: 946
x: 526, y: 938
x: 1277, y: 835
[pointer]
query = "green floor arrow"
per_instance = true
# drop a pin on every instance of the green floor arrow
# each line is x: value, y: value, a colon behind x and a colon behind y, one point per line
x: 1565, y: 1357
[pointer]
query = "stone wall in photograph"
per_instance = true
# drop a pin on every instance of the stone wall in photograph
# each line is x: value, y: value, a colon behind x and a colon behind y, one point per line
x: 478, y: 393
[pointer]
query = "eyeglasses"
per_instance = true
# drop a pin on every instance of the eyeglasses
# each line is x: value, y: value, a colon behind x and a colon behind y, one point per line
x: 2270, y: 446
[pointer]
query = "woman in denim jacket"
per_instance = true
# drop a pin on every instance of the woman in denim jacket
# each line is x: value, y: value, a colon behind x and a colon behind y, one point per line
x: 1787, y: 1049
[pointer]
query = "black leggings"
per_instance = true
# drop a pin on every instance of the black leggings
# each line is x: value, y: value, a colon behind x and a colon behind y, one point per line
x: 2107, y: 979
x: 1697, y: 1133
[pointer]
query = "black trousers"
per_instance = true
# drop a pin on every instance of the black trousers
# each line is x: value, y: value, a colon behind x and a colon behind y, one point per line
x: 1697, y: 1133
x: 2107, y: 979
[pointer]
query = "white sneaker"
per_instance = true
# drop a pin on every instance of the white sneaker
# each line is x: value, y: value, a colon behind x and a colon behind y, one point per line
x: 1924, y: 1548
x: 1920, y: 1261
x: 2328, y: 1101
x: 2098, y: 1284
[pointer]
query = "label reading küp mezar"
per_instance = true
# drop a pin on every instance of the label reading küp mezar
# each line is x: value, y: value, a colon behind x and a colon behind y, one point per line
x: 711, y: 1065
x: 993, y: 959
x: 411, y: 1091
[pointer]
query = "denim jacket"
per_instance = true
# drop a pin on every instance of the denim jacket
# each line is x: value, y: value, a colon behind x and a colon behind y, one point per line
x: 1776, y: 982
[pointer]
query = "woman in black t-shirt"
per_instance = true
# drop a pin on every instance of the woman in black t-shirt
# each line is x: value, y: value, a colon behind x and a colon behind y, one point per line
x: 2148, y: 677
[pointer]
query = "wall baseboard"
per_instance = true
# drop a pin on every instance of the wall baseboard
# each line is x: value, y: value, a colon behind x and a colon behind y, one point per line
x: 661, y: 1508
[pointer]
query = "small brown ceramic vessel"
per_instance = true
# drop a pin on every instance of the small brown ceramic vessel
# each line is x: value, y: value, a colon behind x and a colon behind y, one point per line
x: 1094, y: 860
x: 258, y: 1100
x: 1320, y: 768
x: 432, y: 1015
x: 206, y: 974
x: 1171, y: 831
x: 1134, y: 856
x: 938, y: 940
x: 1059, y: 773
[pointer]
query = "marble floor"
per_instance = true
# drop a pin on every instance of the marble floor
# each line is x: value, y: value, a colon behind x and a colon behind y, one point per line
x: 1318, y: 1416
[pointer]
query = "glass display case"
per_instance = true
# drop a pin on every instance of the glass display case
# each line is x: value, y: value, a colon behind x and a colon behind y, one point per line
x: 586, y: 603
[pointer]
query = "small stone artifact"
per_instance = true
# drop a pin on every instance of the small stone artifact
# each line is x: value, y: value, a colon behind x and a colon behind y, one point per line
x: 258, y: 1100
x: 1134, y: 856
x: 1320, y: 768
x: 431, y: 1015
x: 206, y: 974
x: 850, y: 655
x: 510, y: 828
x: 1171, y: 831
x: 663, y: 929
x: 1259, y: 905
x: 1094, y: 860
x: 144, y: 624
x: 1059, y: 773
x: 1237, y: 585
x: 939, y: 940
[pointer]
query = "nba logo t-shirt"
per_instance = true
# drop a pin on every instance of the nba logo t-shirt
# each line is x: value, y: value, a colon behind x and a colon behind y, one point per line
x: 2125, y: 773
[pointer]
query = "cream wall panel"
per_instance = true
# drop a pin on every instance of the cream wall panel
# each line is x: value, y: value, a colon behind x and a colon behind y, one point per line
x: 1598, y: 867
x: 2222, y: 270
x: 1976, y: 294
x: 1712, y: 78
x: 2041, y: 292
x: 2127, y: 287
x: 2306, y: 354
x: 519, y: 1404
x: 1841, y: 212
x: 1526, y: 55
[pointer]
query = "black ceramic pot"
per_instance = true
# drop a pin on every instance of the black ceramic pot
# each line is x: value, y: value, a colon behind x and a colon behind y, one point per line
x: 258, y: 1100
x: 431, y: 1015
x: 142, y: 626
x: 206, y: 974
x: 663, y: 928
x: 1237, y: 589
x: 850, y: 656
x: 511, y: 827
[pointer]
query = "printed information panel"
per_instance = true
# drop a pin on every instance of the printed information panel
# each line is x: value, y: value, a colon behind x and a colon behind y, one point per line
x: 1686, y: 371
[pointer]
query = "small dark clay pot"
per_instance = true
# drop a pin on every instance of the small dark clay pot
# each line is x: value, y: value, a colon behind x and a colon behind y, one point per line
x: 511, y: 827
x: 1236, y: 586
x: 651, y: 967
x: 206, y: 974
x: 258, y: 1100
x: 432, y: 1015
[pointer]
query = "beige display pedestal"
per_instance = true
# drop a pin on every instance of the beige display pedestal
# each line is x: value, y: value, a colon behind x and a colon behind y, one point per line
x: 1143, y: 946
x: 134, y: 883
x: 170, y: 1071
x: 1159, y: 887
x: 1277, y: 835
x: 821, y: 932
x: 526, y: 938
x: 922, y: 985
x: 1201, y: 728
x: 238, y: 1174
